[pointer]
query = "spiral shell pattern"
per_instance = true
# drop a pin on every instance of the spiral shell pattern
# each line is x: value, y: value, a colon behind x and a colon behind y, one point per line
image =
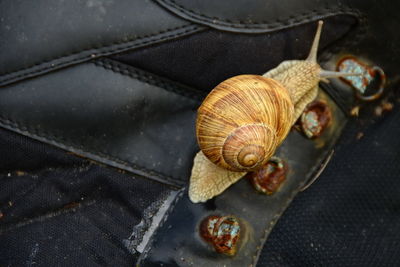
x: 243, y: 120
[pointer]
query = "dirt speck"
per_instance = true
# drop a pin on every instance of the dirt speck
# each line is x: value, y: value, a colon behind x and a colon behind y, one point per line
x: 71, y: 205
x: 385, y: 106
x: 20, y: 173
x: 355, y: 111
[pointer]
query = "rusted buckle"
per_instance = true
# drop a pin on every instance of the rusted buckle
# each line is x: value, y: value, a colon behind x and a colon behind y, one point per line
x: 352, y: 64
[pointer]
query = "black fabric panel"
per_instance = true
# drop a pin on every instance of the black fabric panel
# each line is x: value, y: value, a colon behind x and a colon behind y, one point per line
x: 21, y: 152
x: 351, y: 215
x: 60, y: 210
x: 205, y: 59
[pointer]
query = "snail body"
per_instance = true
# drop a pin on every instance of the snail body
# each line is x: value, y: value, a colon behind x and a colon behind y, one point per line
x: 245, y: 118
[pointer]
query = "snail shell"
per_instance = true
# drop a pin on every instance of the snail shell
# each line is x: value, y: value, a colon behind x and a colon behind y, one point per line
x: 243, y: 120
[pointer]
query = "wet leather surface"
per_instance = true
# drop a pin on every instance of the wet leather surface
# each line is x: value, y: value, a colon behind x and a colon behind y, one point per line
x: 41, y: 36
x: 98, y: 110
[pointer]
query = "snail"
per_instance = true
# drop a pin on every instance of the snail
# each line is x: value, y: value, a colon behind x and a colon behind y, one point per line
x: 245, y: 118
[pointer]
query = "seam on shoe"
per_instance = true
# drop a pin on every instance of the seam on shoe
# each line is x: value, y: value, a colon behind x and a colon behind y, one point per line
x: 146, y: 77
x: 62, y: 142
x: 109, y: 49
x: 291, y: 20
